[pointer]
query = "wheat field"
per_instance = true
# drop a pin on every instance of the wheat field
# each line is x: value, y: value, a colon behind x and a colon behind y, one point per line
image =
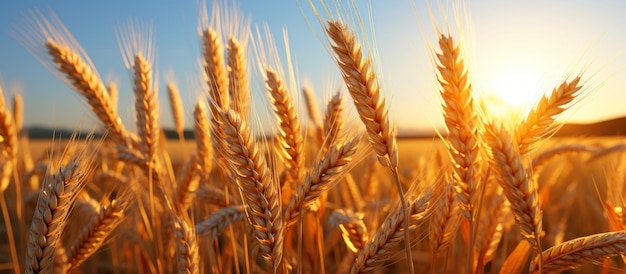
x: 322, y: 194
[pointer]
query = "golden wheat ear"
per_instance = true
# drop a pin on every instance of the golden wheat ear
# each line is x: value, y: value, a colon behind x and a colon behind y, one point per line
x: 583, y: 250
x: 519, y: 187
x: 260, y: 191
x: 539, y: 123
x: 56, y: 200
x: 101, y: 225
x: 178, y: 112
x: 290, y: 137
x: 53, y: 45
x: 136, y: 41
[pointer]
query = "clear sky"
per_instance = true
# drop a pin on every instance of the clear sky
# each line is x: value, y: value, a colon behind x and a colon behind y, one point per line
x: 539, y: 41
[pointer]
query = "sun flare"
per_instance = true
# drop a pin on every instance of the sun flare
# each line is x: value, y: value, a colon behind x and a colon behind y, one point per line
x: 512, y: 91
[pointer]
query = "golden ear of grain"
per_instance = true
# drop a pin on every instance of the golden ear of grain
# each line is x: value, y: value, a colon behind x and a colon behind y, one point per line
x: 333, y: 120
x: 146, y: 107
x: 213, y: 196
x: 517, y: 184
x: 538, y: 123
x: 583, y: 250
x: 261, y: 193
x: 96, y: 231
x: 321, y: 177
x: 53, y: 207
x: 239, y: 90
x: 290, y: 138
x: 8, y: 144
x: 187, y: 184
x: 444, y: 221
x: 312, y: 108
x: 90, y: 86
x: 380, y: 248
x: 187, y: 256
x: 460, y: 118
x: 362, y: 84
x: 214, y: 67
x: 18, y: 112
x: 204, y: 147
x: 176, y: 105
x: 221, y: 219
x: 353, y: 229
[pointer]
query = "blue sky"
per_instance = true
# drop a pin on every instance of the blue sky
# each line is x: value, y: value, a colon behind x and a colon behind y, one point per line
x: 547, y: 38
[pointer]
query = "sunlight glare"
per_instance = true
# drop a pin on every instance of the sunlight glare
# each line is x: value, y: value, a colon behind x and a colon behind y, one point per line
x: 512, y: 91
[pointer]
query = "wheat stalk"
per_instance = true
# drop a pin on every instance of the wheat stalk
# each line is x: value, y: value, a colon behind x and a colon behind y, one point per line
x: 187, y: 184
x: 519, y: 188
x: 379, y: 249
x: 187, y: 255
x: 321, y: 177
x: 204, y: 151
x: 55, y: 202
x: 214, y: 67
x: 220, y: 220
x: 460, y: 119
x: 239, y: 90
x: 213, y: 196
x: 261, y: 194
x: 290, y: 138
x: 96, y: 231
x: 362, y: 84
x: 353, y: 229
x: 588, y: 249
x: 146, y: 108
x: 333, y: 119
x: 18, y: 112
x: 312, y: 108
x: 176, y: 105
x: 445, y: 218
x: 539, y: 122
x: 89, y: 85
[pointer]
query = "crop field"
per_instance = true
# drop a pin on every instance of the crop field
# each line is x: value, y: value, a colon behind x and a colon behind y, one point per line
x: 328, y: 191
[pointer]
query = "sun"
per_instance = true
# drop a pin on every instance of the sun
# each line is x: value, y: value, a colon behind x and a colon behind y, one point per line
x: 511, y: 91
